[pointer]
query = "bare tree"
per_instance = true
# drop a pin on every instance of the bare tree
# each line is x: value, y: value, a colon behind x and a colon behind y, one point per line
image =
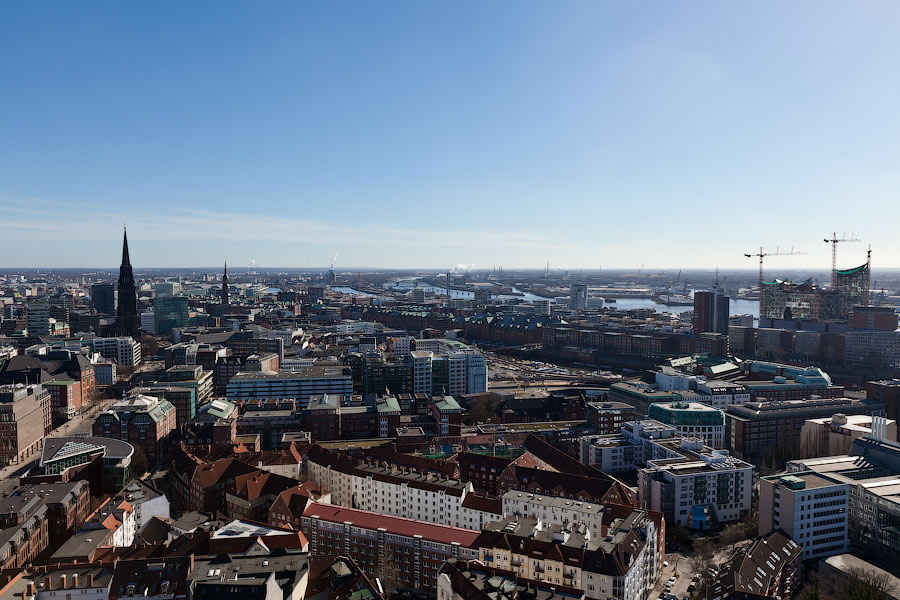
x: 866, y: 584
x: 701, y: 559
x: 389, y: 572
x: 733, y: 535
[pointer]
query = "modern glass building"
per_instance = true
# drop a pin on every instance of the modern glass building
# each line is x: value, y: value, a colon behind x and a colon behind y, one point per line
x: 170, y: 312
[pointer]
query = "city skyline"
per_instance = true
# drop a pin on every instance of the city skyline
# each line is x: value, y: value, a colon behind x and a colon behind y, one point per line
x: 589, y: 135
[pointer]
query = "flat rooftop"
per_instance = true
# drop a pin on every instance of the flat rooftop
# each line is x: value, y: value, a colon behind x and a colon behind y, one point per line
x: 310, y: 372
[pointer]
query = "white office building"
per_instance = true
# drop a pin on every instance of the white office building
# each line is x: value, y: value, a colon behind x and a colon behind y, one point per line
x: 148, y: 321
x: 124, y: 350
x: 301, y: 385
x: 812, y: 509
x: 421, y: 361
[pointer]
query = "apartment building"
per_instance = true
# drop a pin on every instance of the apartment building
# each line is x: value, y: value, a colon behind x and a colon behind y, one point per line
x: 459, y: 580
x: 630, y: 449
x: 609, y: 417
x: 700, y: 489
x: 401, y: 489
x: 409, y: 552
x: 125, y: 351
x: 690, y: 483
x: 769, y: 568
x: 555, y: 554
x: 143, y: 421
x: 586, y: 517
x: 67, y: 507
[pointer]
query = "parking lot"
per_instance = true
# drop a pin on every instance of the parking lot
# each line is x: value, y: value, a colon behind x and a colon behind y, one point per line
x: 678, y: 567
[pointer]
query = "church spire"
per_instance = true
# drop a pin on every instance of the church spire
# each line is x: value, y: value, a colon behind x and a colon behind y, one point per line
x: 126, y: 260
x: 127, y: 322
x: 225, y: 298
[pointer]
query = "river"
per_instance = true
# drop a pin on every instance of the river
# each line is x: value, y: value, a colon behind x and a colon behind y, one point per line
x: 737, y: 306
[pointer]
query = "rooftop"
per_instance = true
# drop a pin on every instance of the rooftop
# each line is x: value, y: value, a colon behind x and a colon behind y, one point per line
x: 396, y: 525
x: 62, y: 447
x: 311, y: 372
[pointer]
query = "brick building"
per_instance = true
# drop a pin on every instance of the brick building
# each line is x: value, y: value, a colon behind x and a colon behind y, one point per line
x: 143, y: 421
x: 409, y: 552
x: 25, y: 418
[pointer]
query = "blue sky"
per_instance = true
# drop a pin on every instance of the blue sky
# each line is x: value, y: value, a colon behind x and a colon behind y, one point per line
x: 427, y: 134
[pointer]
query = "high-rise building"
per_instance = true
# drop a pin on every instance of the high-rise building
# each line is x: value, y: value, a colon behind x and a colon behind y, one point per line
x: 577, y: 295
x: 103, y: 298
x: 127, y: 322
x: 711, y: 311
x: 810, y: 508
x: 421, y: 361
x: 170, y: 312
x: 38, y: 319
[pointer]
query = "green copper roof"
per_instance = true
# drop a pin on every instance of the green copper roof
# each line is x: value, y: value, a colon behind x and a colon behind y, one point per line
x: 784, y: 282
x: 851, y: 271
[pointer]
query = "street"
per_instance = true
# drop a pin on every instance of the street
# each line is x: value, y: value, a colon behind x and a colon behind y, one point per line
x: 680, y: 567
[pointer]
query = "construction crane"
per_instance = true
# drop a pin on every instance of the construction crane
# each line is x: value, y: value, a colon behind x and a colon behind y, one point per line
x: 762, y: 255
x: 834, y: 241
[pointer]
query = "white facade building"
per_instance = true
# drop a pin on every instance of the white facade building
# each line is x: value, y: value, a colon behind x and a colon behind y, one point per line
x: 401, y: 345
x: 148, y: 321
x: 124, y: 350
x: 701, y: 488
x: 810, y: 508
x: 476, y: 373
x: 390, y: 491
x: 302, y: 384
x: 585, y: 517
x: 421, y: 361
x: 720, y: 394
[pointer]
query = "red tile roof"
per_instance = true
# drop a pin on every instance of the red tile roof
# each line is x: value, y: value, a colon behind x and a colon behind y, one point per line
x: 396, y: 525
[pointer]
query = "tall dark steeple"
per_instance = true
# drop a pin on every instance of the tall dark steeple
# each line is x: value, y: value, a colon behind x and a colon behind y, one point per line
x: 225, y: 298
x: 126, y: 312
